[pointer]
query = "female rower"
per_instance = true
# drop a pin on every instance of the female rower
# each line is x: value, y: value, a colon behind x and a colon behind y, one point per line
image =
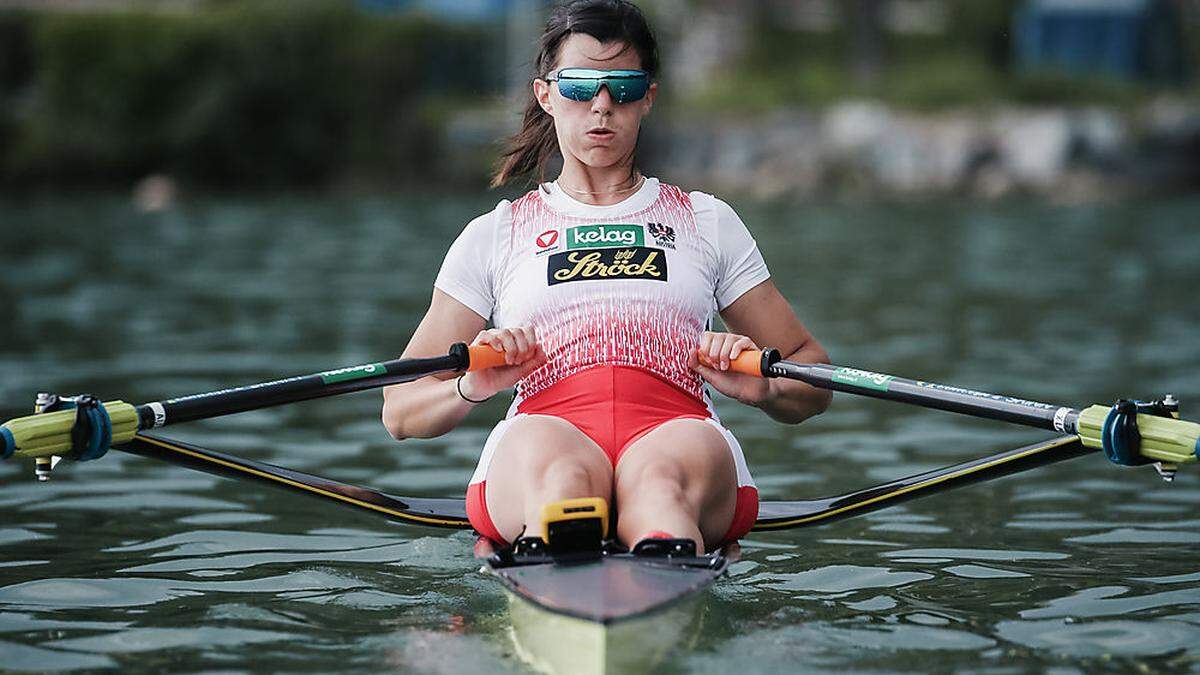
x: 600, y: 286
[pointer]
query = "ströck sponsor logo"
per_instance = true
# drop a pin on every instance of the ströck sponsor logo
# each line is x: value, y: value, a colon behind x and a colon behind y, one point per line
x: 605, y: 236
x: 611, y: 263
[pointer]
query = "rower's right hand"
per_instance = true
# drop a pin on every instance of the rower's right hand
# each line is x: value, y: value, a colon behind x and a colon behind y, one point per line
x: 522, y: 354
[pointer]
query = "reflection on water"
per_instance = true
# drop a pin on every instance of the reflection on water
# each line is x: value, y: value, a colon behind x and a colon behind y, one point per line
x: 128, y: 562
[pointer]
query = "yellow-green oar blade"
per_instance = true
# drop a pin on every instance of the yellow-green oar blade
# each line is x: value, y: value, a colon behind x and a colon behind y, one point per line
x: 1162, y: 439
x: 50, y: 433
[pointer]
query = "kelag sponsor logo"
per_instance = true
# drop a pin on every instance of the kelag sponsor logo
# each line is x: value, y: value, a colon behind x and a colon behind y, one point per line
x: 605, y: 236
x: 636, y: 262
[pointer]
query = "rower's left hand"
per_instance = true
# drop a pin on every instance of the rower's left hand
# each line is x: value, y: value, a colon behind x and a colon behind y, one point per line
x: 720, y: 349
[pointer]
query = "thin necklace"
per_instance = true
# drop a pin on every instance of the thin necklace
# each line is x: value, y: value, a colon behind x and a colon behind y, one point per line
x: 640, y: 179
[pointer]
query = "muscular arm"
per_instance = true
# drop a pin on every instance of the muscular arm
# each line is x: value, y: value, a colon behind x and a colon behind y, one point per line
x: 431, y: 406
x: 764, y: 315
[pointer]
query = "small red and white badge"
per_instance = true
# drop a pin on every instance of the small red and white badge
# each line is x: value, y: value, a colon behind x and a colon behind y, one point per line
x: 546, y: 241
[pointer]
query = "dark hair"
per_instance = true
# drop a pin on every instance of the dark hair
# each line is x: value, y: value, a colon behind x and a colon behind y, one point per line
x: 608, y: 21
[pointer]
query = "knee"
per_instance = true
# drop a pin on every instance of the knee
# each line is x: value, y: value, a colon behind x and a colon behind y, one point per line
x: 568, y: 477
x: 661, y: 480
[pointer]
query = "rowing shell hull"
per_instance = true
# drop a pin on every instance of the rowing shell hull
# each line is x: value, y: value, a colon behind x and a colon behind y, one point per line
x: 556, y: 643
x: 616, y: 614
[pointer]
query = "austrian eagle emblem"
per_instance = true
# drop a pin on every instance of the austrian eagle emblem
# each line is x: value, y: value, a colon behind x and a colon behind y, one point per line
x: 664, y: 235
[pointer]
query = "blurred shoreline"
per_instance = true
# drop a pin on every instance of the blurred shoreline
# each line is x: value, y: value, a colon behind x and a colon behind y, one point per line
x: 862, y: 148
x: 772, y: 99
x: 856, y: 149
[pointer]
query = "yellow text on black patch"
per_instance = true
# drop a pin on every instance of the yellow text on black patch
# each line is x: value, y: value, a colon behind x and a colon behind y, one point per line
x: 635, y: 262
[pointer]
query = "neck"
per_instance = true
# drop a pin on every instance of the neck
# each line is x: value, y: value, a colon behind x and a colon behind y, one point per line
x: 599, y: 186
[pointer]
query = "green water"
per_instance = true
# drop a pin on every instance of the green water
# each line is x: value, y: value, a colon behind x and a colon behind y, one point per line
x: 126, y: 563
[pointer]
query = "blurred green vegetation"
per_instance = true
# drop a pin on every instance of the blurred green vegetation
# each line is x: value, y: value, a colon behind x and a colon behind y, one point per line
x: 247, y: 94
x: 266, y: 93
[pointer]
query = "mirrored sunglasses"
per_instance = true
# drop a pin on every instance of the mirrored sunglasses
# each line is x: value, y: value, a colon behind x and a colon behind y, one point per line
x: 582, y: 84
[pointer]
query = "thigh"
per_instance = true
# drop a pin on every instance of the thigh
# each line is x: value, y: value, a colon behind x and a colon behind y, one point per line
x: 688, y: 460
x: 535, y: 453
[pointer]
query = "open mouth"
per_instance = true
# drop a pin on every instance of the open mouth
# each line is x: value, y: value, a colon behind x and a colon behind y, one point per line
x: 601, y: 134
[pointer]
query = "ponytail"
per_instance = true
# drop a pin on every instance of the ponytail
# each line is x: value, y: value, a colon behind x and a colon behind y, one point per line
x: 528, y: 151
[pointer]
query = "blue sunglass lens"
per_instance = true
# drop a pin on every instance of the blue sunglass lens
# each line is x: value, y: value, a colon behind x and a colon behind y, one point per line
x: 625, y: 90
x: 584, y: 85
x: 578, y: 89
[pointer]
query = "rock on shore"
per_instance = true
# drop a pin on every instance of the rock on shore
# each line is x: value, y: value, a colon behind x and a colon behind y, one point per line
x: 862, y: 146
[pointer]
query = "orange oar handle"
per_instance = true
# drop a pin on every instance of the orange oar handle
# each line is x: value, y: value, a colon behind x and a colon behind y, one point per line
x: 747, y: 363
x: 485, y: 356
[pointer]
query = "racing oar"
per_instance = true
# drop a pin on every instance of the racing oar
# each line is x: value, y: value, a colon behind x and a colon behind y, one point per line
x: 1129, y: 432
x: 83, y: 428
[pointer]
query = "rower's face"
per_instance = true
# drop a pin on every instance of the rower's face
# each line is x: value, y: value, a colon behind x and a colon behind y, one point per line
x: 600, y: 132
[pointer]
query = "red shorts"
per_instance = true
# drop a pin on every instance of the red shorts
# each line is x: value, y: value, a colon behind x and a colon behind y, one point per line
x: 614, y: 406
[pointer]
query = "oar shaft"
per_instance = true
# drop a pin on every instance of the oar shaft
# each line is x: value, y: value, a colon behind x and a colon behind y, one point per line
x: 930, y: 395
x: 293, y: 390
x: 316, y: 385
x: 1153, y: 438
x: 50, y: 433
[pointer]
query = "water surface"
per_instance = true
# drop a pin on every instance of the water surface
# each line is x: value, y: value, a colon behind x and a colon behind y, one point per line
x: 129, y: 563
